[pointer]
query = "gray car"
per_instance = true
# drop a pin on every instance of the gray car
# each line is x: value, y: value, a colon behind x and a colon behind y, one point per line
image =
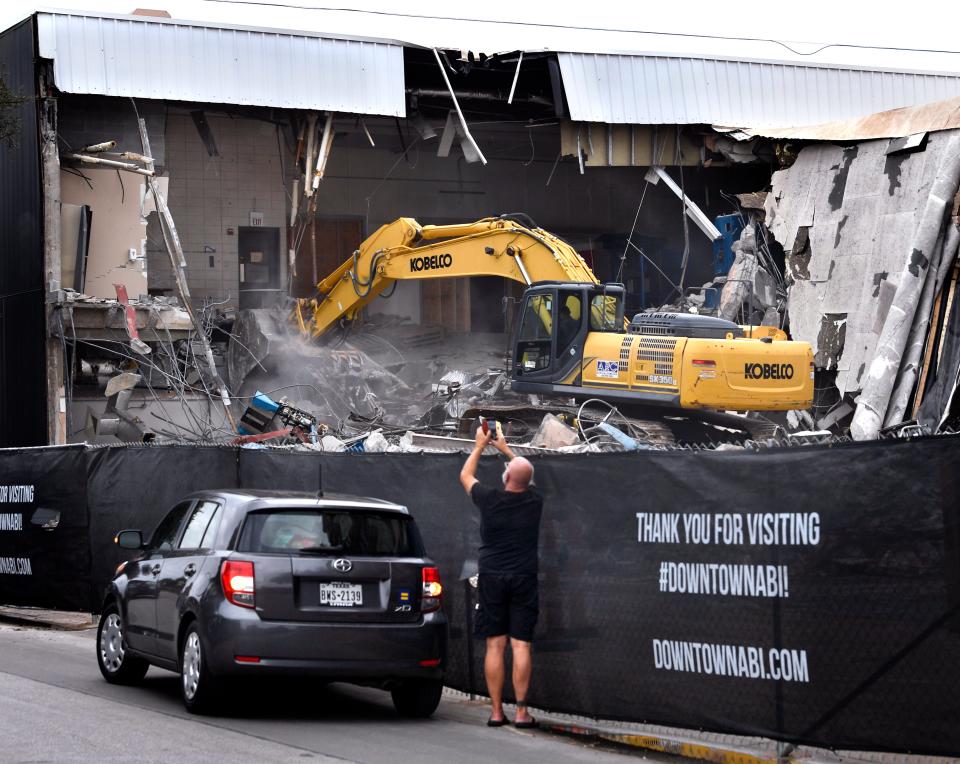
x: 236, y: 584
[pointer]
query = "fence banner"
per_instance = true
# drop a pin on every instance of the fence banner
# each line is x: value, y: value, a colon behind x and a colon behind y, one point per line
x: 44, y: 538
x: 808, y: 594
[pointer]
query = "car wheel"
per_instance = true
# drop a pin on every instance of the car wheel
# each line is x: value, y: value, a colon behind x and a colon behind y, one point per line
x: 417, y: 698
x: 117, y: 664
x: 197, y: 687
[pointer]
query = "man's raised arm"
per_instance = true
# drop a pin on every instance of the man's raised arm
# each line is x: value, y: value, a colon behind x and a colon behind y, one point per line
x: 468, y: 475
x: 501, y: 445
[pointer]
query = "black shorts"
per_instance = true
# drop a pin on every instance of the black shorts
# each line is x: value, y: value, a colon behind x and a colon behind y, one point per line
x: 509, y: 605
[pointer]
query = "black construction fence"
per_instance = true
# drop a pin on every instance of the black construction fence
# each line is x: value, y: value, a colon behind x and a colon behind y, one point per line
x: 805, y: 594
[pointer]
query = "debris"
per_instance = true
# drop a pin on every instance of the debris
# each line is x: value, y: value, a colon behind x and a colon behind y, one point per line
x: 376, y: 443
x: 441, y: 443
x: 407, y: 444
x: 623, y: 439
x: 250, y: 440
x: 798, y: 419
x: 753, y: 201
x: 881, y: 375
x: 860, y: 229
x: 838, y: 412
x: 553, y: 433
x: 750, y: 288
x: 332, y: 443
x: 123, y: 381
x: 468, y: 138
x: 943, y: 259
x: 178, y: 264
x: 136, y: 344
x: 938, y: 401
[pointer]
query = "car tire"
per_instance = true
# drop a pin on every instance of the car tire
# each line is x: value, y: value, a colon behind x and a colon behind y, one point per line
x: 117, y: 664
x: 198, y: 688
x: 417, y: 698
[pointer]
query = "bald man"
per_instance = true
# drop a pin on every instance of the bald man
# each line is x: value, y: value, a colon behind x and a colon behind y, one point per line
x: 509, y: 600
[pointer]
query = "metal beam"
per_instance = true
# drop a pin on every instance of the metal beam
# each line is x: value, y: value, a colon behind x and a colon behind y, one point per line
x: 656, y: 174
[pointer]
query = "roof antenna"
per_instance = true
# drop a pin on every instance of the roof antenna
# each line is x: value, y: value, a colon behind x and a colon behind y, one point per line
x: 319, y: 479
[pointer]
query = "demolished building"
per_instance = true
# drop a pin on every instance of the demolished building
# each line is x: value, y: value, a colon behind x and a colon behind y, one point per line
x: 273, y: 179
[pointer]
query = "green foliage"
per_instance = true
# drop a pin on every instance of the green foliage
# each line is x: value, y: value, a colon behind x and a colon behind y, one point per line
x: 9, y: 119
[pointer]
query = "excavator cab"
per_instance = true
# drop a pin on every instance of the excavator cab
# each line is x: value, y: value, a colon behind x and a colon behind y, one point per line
x: 552, y: 327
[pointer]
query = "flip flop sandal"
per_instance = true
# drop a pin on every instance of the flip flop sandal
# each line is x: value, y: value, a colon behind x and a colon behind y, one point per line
x: 491, y: 722
x: 532, y: 724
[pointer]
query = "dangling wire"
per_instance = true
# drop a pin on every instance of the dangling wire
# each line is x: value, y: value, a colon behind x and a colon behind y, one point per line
x: 636, y: 219
x: 683, y: 214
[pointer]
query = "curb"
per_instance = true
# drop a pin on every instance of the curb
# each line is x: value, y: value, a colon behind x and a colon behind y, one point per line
x: 46, y: 619
x: 677, y: 746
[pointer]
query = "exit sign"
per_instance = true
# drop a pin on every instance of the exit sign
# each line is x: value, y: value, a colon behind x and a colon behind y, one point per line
x: 256, y: 219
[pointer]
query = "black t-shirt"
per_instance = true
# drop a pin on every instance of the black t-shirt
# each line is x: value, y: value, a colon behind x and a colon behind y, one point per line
x: 509, y: 530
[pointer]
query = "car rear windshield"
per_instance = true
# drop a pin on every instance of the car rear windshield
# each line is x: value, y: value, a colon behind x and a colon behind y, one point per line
x: 330, y: 532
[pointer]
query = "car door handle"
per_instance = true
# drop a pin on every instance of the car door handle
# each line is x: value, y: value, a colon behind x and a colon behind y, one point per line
x: 189, y: 570
x: 155, y: 570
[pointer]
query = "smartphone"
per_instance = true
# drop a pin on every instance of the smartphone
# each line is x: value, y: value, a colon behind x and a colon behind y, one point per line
x: 488, y: 424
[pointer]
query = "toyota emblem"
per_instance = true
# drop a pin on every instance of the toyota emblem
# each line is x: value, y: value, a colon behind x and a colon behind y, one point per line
x: 344, y: 566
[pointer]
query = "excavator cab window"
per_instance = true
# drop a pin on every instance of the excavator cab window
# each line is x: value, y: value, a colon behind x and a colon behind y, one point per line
x: 605, y: 312
x: 568, y: 321
x: 536, y: 328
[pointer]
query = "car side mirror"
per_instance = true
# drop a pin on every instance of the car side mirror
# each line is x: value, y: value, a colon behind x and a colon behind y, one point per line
x: 129, y: 540
x: 47, y: 519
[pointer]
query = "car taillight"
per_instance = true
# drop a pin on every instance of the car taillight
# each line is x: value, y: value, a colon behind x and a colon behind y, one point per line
x: 238, y: 582
x: 432, y: 590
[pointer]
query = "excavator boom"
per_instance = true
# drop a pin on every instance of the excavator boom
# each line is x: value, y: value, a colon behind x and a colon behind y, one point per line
x: 404, y: 250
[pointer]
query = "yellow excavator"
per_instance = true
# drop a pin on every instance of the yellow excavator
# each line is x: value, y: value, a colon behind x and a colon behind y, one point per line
x: 571, y: 337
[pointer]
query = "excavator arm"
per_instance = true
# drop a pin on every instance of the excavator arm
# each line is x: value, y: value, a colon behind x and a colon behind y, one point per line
x: 510, y: 246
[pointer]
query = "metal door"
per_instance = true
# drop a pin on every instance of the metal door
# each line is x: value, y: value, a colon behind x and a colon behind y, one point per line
x: 259, y: 258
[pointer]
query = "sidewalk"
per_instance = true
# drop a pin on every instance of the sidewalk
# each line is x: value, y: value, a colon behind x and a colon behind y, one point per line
x: 705, y: 746
x: 713, y: 747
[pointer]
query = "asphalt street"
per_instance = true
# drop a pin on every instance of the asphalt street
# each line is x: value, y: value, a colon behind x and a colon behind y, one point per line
x: 55, y: 706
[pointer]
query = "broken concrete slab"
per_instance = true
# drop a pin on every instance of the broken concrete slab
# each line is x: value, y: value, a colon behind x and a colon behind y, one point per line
x: 554, y: 433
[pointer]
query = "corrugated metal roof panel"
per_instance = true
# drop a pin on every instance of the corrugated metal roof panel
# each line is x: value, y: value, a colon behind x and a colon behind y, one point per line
x: 190, y: 62
x: 649, y: 90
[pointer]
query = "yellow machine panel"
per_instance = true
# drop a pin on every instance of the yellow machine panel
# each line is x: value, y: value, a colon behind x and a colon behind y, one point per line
x: 737, y: 374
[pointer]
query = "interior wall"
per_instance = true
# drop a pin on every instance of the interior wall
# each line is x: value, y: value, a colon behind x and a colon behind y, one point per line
x: 211, y: 197
x: 116, y: 228
x: 594, y: 211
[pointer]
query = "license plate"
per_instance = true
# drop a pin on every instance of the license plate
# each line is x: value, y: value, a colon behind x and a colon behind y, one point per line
x: 341, y: 594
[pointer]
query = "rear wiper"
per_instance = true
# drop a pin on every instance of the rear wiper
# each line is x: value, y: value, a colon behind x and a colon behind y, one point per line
x: 321, y: 549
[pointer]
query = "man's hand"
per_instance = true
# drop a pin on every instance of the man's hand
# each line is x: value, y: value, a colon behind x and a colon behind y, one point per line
x: 484, y: 439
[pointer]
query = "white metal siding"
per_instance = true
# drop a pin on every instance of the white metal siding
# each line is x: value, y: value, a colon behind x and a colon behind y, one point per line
x: 188, y: 62
x: 650, y: 90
